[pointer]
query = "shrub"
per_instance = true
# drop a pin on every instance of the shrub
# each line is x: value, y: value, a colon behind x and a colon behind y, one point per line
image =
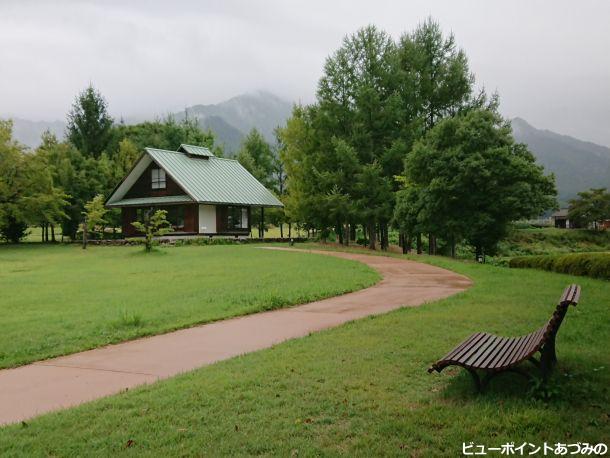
x: 12, y: 230
x: 596, y: 265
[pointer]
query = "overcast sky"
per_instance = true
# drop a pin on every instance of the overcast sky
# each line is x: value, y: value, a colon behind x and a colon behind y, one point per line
x: 549, y: 60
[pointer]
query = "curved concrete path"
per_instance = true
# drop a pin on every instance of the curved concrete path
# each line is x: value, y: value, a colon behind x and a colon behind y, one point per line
x: 70, y: 380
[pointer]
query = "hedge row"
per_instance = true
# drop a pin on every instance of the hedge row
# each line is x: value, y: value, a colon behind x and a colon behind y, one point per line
x: 596, y: 265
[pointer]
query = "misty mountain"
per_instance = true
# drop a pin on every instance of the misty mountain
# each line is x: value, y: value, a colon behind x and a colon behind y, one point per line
x: 29, y: 132
x: 578, y: 165
x: 232, y: 119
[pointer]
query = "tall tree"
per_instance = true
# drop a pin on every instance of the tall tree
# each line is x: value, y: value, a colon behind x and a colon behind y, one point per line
x: 27, y: 192
x: 79, y: 177
x: 435, y: 83
x: 359, y: 104
x: 472, y: 180
x: 590, y: 208
x: 13, y: 185
x: 89, y: 124
x: 435, y: 78
x: 257, y: 157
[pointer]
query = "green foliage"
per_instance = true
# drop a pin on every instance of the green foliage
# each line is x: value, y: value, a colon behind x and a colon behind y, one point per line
x: 376, y: 98
x: 27, y: 192
x: 80, y: 178
x: 257, y: 157
x: 89, y: 124
x: 590, y: 208
x: 439, y: 70
x: 522, y: 242
x: 12, y: 230
x: 467, y: 179
x: 596, y: 265
x: 154, y: 225
x: 164, y: 133
x: 95, y: 211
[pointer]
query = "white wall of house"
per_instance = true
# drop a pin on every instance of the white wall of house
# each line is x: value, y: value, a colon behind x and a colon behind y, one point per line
x: 207, y: 219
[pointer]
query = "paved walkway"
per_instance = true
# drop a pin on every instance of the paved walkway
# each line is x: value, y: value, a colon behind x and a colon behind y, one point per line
x: 70, y: 380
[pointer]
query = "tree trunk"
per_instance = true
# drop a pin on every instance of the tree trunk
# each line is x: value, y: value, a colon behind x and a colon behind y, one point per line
x: 407, y: 244
x: 346, y: 234
x: 479, y: 254
x: 385, y: 241
x: 372, y: 234
x: 431, y: 244
x: 85, y: 233
x: 281, y: 230
x: 53, y: 234
x: 46, y: 232
x: 339, y: 231
x: 352, y: 232
x: 453, y: 247
x: 419, y: 244
x: 289, y: 230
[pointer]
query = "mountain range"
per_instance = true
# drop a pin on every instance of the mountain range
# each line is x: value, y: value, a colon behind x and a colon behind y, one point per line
x: 578, y: 165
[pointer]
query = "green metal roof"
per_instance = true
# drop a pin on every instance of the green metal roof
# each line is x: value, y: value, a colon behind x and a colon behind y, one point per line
x: 196, y: 150
x: 214, y: 180
x: 151, y: 201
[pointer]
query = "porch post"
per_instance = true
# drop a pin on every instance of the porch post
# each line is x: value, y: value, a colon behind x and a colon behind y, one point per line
x: 261, y: 230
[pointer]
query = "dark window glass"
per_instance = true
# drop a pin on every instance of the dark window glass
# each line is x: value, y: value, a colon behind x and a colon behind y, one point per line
x: 175, y: 215
x: 237, y: 218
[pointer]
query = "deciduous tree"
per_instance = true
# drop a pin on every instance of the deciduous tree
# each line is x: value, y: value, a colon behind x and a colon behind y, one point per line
x: 590, y: 208
x: 154, y: 225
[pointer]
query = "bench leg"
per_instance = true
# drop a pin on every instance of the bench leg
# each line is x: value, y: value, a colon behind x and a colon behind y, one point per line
x: 548, y: 359
x: 477, y: 380
x: 482, y: 384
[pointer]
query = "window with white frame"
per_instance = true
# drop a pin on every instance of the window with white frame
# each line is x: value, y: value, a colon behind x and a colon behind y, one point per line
x: 158, y: 179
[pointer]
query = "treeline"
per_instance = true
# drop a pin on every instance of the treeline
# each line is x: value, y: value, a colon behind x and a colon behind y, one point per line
x: 399, y: 136
x: 50, y: 186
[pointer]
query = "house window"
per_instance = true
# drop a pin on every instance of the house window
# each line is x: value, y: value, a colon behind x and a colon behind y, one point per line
x: 175, y: 215
x: 158, y: 179
x: 237, y: 218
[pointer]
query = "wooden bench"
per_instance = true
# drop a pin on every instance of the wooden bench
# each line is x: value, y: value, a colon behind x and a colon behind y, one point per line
x: 494, y: 355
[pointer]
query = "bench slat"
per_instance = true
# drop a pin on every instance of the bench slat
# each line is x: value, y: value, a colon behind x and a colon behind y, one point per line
x: 467, y: 348
x: 468, y: 352
x: 461, y: 345
x: 481, y: 351
x: 514, y: 346
x: 500, y: 350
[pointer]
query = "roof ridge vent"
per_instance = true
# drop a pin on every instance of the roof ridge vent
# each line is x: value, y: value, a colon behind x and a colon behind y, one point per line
x: 196, y: 151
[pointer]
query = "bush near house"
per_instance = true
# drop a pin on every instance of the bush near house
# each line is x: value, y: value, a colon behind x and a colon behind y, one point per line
x: 596, y: 265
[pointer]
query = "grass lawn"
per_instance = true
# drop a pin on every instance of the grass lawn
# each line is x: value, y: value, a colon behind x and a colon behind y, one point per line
x: 362, y: 389
x: 60, y: 299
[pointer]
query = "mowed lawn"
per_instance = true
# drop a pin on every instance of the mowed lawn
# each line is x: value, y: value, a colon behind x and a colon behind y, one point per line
x: 362, y: 389
x: 61, y: 299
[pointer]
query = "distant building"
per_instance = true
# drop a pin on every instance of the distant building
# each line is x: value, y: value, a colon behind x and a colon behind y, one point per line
x: 561, y: 219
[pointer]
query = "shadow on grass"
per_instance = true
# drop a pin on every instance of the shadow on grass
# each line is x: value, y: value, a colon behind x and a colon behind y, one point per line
x: 154, y: 252
x: 572, y: 382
